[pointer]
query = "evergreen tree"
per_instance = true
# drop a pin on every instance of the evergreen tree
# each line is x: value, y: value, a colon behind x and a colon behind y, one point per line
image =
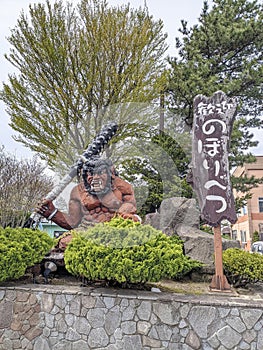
x: 224, y: 51
x: 159, y: 172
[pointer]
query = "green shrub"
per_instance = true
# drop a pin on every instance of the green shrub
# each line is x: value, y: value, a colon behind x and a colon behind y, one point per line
x: 242, y: 267
x: 255, y: 236
x: 137, y: 254
x: 121, y: 236
x: 119, y: 221
x: 21, y: 248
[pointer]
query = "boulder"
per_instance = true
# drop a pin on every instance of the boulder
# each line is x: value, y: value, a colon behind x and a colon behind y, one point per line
x: 173, y: 213
x: 180, y: 216
x: 199, y: 245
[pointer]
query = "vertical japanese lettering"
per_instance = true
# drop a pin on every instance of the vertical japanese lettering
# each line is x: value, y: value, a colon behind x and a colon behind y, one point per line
x: 213, y: 119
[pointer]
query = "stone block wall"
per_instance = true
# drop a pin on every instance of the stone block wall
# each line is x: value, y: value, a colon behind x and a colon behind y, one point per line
x: 75, y: 318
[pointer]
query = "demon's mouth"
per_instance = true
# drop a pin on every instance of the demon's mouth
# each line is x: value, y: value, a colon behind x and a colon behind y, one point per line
x: 96, y: 185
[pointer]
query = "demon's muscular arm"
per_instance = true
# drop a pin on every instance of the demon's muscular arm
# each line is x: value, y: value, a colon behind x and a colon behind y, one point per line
x: 67, y: 221
x: 128, y: 207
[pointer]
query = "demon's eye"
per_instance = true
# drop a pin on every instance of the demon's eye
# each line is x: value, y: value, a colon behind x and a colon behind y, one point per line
x: 100, y: 171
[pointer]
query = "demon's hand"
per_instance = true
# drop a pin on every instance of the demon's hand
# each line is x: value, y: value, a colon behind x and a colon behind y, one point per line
x: 46, y: 208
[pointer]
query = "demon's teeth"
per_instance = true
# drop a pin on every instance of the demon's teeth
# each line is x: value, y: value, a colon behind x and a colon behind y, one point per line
x: 97, y: 184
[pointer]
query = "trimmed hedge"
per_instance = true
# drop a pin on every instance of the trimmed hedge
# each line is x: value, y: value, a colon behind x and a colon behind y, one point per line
x: 21, y: 248
x: 242, y: 267
x: 119, y: 221
x: 121, y: 236
x: 136, y: 254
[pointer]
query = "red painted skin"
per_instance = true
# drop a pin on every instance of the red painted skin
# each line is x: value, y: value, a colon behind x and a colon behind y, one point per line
x: 86, y: 209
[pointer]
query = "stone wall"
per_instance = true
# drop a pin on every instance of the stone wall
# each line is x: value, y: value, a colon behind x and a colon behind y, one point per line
x: 75, y: 318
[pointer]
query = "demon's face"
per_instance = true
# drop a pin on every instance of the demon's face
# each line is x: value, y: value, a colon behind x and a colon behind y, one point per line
x: 97, y: 177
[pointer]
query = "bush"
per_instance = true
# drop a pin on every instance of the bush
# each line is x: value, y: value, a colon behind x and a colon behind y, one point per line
x: 119, y: 221
x: 242, y: 267
x: 21, y: 248
x: 255, y: 236
x: 136, y: 254
x: 121, y: 236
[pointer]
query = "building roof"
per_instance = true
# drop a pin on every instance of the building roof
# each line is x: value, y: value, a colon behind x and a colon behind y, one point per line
x: 257, y: 165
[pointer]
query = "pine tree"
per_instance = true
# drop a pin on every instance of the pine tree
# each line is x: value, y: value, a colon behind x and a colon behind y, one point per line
x: 224, y: 51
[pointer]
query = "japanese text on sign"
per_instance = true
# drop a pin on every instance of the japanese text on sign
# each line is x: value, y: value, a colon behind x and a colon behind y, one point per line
x: 213, y: 120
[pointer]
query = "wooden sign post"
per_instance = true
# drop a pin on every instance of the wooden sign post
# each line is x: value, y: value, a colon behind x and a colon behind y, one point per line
x: 213, y: 120
x: 219, y: 281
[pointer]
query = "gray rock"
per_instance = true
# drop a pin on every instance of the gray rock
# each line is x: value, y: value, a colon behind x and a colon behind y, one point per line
x: 234, y: 312
x: 128, y: 313
x: 2, y: 294
x: 96, y: 317
x: 132, y: 342
x: 166, y: 313
x: 74, y: 306
x: 249, y: 336
x: 109, y: 302
x: 236, y: 323
x: 60, y: 301
x: 88, y: 301
x: 7, y: 343
x: 112, y: 320
x: 72, y: 335
x: 152, y: 343
x: 143, y: 327
x: 200, y: 317
x: 118, y: 334
x: 184, y: 310
x: 98, y: 338
x: 69, y: 319
x: 228, y: 337
x: 41, y: 344
x: 174, y: 212
x: 250, y: 317
x: 128, y: 327
x: 259, y: 340
x: 144, y: 310
x: 82, y: 325
x: 223, y: 312
x: 244, y: 346
x: 6, y: 309
x: 80, y: 345
x: 26, y: 343
x: 49, y: 319
x: 163, y: 331
x: 180, y: 216
x: 199, y: 245
x: 192, y: 340
x: 178, y: 211
x: 47, y: 302
x: 213, y: 341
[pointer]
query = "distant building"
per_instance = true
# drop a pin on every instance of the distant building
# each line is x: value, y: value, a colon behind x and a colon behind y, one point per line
x: 250, y: 217
x: 51, y: 228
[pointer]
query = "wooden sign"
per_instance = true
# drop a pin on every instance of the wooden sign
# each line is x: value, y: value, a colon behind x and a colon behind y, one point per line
x: 213, y: 120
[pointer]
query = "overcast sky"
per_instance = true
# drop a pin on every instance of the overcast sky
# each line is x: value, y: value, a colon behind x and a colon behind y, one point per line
x: 170, y: 11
